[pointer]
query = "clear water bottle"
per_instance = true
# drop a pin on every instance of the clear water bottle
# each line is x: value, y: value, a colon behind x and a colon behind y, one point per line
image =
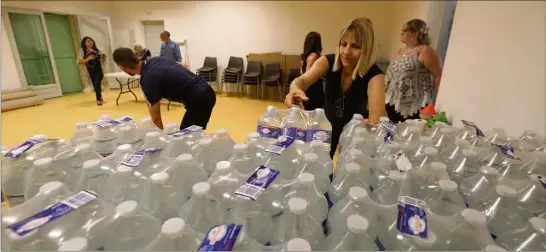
x: 341, y: 185
x: 464, y: 167
x: 322, y: 150
x: 529, y: 238
x: 447, y: 201
x: 305, y: 188
x: 469, y: 232
x: 496, y: 136
x: 416, y: 149
x: 283, y: 162
x: 43, y: 172
x: 294, y: 124
x: 387, y: 194
x: 223, y: 183
x: 206, y: 156
x: 29, y: 242
x: 435, y: 129
x: 319, y: 127
x: 72, y: 161
x: 83, y: 134
x: 129, y: 135
x: 425, y: 180
x: 388, y: 150
x: 357, y: 202
x: 94, y: 177
x: 411, y: 134
x: 348, y: 130
x: 153, y: 140
x: 445, y: 139
x: 431, y: 155
x: 74, y: 244
x: 355, y: 239
x: 258, y: 225
x: 416, y: 243
x: 479, y: 185
x: 131, y: 228
x: 531, y: 198
x: 529, y: 141
x: 187, y: 173
x: 241, y: 161
x: 256, y: 147
x: 146, y: 125
x: 454, y: 151
x: 125, y: 184
x: 162, y: 197
x: 354, y: 156
x: 222, y: 143
x: 170, y: 128
x: 202, y: 211
x: 105, y: 139
x: 175, y: 236
x: 532, y: 163
x: 380, y: 171
x: 177, y: 146
x: 269, y: 125
x: 311, y: 165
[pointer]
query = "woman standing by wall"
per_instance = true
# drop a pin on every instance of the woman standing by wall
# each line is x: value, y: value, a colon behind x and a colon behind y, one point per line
x: 91, y: 57
x: 312, y: 48
x: 413, y: 74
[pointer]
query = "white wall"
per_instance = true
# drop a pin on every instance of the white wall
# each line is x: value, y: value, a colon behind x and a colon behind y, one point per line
x: 495, y: 65
x: 10, y: 77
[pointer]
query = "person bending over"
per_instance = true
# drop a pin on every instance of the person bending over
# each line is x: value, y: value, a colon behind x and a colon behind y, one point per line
x: 164, y: 78
x: 353, y: 83
x: 311, y: 52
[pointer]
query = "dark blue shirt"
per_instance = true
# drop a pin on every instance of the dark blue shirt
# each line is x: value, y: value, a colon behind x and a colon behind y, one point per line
x: 164, y: 78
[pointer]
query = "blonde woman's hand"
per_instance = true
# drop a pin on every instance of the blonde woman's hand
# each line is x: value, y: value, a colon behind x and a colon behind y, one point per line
x: 370, y: 122
x: 295, y: 96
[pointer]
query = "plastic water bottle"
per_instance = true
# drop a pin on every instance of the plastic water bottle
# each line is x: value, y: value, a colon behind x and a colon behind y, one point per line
x: 416, y: 243
x: 444, y: 139
x: 447, y: 201
x: 341, y: 185
x: 283, y: 162
x: 464, y: 167
x: 470, y: 233
x: 319, y: 127
x: 125, y: 184
x: 175, y: 236
x: 529, y: 141
x: 122, y: 152
x: 257, y: 224
x: 431, y: 155
x: 311, y: 165
x: 42, y: 173
x: 305, y: 188
x: 94, y: 177
x: 269, y: 125
x: 531, y: 199
x: 222, y: 144
x: 294, y: 124
x: 454, y: 151
x: 223, y: 183
x: 187, y: 173
x: 162, y: 197
x: 531, y: 163
x: 322, y: 150
x: 356, y: 239
x: 388, y: 150
x: 153, y: 140
x: 146, y: 125
x: 206, y: 156
x: 416, y: 149
x: 530, y: 238
x: 72, y: 161
x: 131, y: 228
x: 479, y: 185
x: 29, y: 242
x: 129, y: 135
x: 358, y: 157
x: 425, y: 179
x: 177, y: 146
x: 435, y: 129
x: 256, y: 147
x: 387, y: 194
x: 357, y: 202
x: 83, y: 134
x: 202, y: 211
x: 170, y: 128
x: 74, y: 244
x: 241, y: 161
x: 348, y: 130
x: 149, y: 161
x: 105, y: 140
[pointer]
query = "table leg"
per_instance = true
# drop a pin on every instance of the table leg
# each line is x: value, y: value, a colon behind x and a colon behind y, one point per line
x: 120, y: 91
x: 129, y: 87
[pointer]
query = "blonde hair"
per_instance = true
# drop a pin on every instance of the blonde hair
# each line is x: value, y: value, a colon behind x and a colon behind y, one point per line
x: 138, y: 49
x: 362, y: 30
x: 420, y: 27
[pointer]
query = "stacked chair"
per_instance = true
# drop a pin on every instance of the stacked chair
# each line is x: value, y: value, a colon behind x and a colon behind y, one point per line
x: 272, y: 77
x: 252, y: 76
x: 233, y: 73
x: 209, y: 71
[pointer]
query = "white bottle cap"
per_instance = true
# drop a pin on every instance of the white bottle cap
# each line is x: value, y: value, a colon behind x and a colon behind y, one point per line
x: 538, y: 224
x: 358, y: 194
x: 468, y: 153
x: 358, y: 117
x: 43, y: 163
x: 396, y: 175
x: 253, y: 135
x: 352, y: 168
x: 222, y: 167
x: 431, y: 151
x: 473, y: 217
x: 152, y: 134
x: 357, y: 224
x: 81, y: 125
x: 171, y: 125
x: 126, y: 208
x: 358, y: 140
x: 41, y: 137
x: 51, y: 186
x: 83, y: 147
x: 438, y: 166
x: 426, y: 140
x: 384, y: 119
x: 298, y: 244
x: 492, y: 248
x: 124, y: 148
x: 205, y: 142
x: 240, y: 147
x: 146, y: 119
x: 123, y: 169
x: 297, y: 205
x: 310, y: 157
x: 159, y: 178
x: 505, y: 191
x: 125, y: 128
x: 221, y: 132
x: 74, y: 244
x: 185, y: 157
x: 173, y: 227
x: 447, y: 185
x: 425, y: 242
x: 306, y: 178
x: 105, y: 117
x: 271, y: 107
x: 201, y: 189
x: 319, y: 110
x: 489, y: 170
x: 91, y: 164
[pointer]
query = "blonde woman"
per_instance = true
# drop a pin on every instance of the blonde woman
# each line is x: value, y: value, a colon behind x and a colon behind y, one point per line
x: 414, y: 72
x: 353, y: 83
x: 142, y: 53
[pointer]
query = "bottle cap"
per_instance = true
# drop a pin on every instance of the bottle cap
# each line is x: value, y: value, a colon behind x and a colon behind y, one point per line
x: 51, y: 186
x: 126, y: 208
x: 358, y: 193
x: 222, y: 167
x: 438, y: 166
x: 43, y: 163
x: 306, y: 178
x: 83, y: 147
x: 201, y: 188
x: 492, y: 248
x: 489, y: 170
x: 384, y: 119
x: 205, y: 142
x: 171, y: 125
x: 396, y: 175
x: 357, y: 224
x: 352, y: 168
x: 152, y: 134
x: 81, y: 125
x: 468, y: 153
x: 310, y: 157
x: 425, y: 242
x: 105, y: 117
x: 473, y: 217
x: 320, y: 110
x: 426, y: 140
x: 253, y: 135
x: 240, y: 147
x: 39, y: 137
x: 358, y: 117
x: 505, y: 191
x: 74, y: 244
x: 431, y: 151
x: 298, y: 244
x: 173, y: 227
x: 538, y: 224
x: 221, y: 132
x: 297, y: 205
x: 125, y: 128
x: 91, y: 164
x: 159, y: 178
x: 185, y: 157
x: 123, y: 169
x: 447, y: 185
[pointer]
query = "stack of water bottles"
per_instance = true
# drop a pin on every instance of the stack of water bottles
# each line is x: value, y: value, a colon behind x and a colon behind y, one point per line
x: 124, y: 185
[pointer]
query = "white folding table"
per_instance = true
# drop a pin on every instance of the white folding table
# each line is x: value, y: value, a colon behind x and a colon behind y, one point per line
x: 130, y: 79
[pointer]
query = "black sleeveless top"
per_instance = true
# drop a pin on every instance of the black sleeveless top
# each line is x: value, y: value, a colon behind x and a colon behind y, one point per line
x: 355, y: 100
x: 315, y: 92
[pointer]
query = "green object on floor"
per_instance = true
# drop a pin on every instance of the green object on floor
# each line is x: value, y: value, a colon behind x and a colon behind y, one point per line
x: 439, y: 117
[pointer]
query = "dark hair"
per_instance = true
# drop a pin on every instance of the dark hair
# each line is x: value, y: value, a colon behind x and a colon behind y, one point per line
x: 420, y: 27
x: 167, y: 33
x: 311, y: 45
x: 125, y: 57
x: 85, y: 47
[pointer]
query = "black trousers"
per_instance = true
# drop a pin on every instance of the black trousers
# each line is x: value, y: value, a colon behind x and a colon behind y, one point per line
x: 336, y: 133
x: 96, y: 78
x: 200, y: 111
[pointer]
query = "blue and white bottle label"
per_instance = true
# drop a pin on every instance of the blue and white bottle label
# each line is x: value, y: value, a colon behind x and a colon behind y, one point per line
x: 109, y: 123
x: 269, y: 131
x: 221, y: 238
x: 22, y: 148
x: 298, y: 134
x: 279, y: 147
x: 52, y: 213
x: 257, y: 183
x: 508, y: 151
x: 479, y: 132
x: 186, y: 131
x: 321, y: 135
x: 412, y: 218
x: 135, y: 159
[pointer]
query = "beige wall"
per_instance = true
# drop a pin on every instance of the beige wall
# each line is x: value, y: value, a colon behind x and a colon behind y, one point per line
x: 10, y: 77
x: 495, y: 65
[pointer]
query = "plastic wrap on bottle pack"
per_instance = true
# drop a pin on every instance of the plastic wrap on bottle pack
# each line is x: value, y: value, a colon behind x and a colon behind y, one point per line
x: 280, y: 156
x: 305, y: 188
x: 125, y: 184
x: 444, y: 139
x: 446, y: 201
x: 356, y: 237
x: 128, y: 134
x: 42, y: 172
x: 175, y: 235
x: 82, y: 134
x: 202, y: 211
x: 464, y: 167
x: 187, y: 172
x: 454, y: 151
x: 163, y: 197
x: 223, y: 183
x: 269, y: 125
x: 349, y: 129
x: 529, y: 141
x: 71, y: 161
x: 466, y: 231
x: 256, y: 222
x: 94, y: 177
x: 294, y: 124
x: 479, y: 185
x: 341, y: 185
x: 532, y: 237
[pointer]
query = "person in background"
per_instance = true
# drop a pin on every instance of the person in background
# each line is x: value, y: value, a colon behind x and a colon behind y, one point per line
x: 353, y: 83
x: 142, y: 53
x: 169, y: 48
x: 163, y: 78
x: 312, y: 47
x: 413, y: 74
x: 91, y: 56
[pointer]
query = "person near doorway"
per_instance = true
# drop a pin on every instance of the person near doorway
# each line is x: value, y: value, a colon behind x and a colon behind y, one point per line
x: 91, y: 56
x: 413, y: 73
x: 353, y: 83
x: 142, y: 53
x: 312, y: 47
x: 163, y: 78
x: 169, y: 48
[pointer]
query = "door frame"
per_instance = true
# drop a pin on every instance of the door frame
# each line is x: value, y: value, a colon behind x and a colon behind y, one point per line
x: 15, y: 51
